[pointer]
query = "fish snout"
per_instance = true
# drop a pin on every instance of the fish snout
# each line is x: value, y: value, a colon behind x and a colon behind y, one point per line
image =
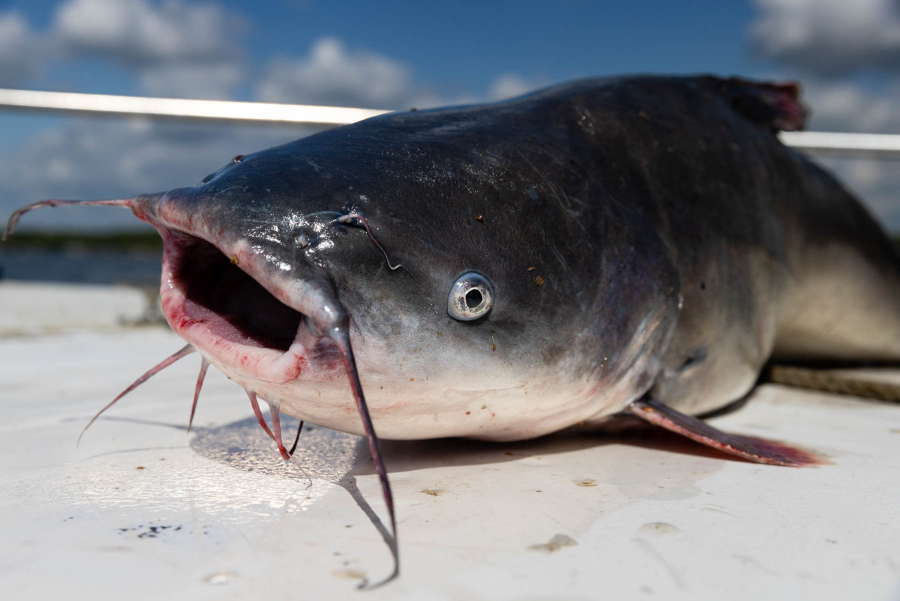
x: 258, y: 317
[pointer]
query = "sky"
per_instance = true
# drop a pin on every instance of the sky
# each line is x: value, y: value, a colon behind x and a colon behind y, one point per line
x: 395, y: 55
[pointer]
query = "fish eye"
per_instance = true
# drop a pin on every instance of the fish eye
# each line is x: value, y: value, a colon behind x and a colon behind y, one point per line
x: 471, y: 297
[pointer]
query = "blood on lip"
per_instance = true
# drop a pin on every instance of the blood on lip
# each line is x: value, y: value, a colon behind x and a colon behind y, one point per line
x: 225, y: 313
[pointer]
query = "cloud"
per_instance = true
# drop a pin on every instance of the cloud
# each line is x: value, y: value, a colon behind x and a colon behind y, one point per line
x: 508, y: 85
x: 216, y: 81
x: 875, y: 182
x: 179, y: 49
x: 829, y: 37
x: 20, y: 51
x: 333, y: 74
x: 175, y: 48
x: 141, y: 33
x: 844, y: 106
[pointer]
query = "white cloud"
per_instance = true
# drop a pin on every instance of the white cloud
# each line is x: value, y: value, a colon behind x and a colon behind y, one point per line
x: 333, y: 74
x: 866, y: 174
x: 177, y: 49
x: 20, y: 51
x: 875, y: 182
x: 843, y: 106
x: 139, y: 32
x: 217, y: 81
x: 829, y: 36
x: 508, y: 85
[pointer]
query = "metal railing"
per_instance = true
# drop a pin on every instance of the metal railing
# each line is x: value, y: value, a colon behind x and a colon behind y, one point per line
x: 813, y: 142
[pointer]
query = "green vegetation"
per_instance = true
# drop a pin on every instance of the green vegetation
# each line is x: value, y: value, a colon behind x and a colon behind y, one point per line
x: 141, y: 241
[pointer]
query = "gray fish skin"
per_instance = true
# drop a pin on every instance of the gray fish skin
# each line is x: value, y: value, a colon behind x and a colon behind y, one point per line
x: 775, y: 258
x: 678, y: 243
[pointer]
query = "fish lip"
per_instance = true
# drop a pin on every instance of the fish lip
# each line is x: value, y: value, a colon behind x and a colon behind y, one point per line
x: 307, y: 357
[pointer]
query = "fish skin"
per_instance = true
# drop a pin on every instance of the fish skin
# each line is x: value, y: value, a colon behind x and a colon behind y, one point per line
x: 675, y: 237
x: 776, y: 259
x: 678, y: 243
x: 586, y: 342
x: 649, y: 242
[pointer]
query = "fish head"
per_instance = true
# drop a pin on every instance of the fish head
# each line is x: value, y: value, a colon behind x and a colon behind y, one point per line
x: 472, y: 309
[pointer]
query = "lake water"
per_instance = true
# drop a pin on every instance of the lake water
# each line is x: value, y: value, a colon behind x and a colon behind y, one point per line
x: 86, y: 267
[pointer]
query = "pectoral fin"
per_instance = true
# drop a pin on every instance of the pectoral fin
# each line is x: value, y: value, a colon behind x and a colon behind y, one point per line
x: 754, y: 449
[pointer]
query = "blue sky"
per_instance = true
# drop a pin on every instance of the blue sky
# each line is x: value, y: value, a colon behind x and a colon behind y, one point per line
x: 460, y: 47
x: 398, y: 54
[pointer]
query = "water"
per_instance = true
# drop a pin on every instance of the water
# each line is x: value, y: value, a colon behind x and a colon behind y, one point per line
x: 81, y: 266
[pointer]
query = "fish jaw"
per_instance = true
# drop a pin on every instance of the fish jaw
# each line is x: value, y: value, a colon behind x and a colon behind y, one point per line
x: 214, y: 336
x: 207, y: 276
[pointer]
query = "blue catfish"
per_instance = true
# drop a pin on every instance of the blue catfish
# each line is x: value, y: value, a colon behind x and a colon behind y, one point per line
x: 635, y: 245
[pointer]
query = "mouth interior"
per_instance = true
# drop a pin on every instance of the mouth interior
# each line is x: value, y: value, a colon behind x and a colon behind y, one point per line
x: 231, y: 303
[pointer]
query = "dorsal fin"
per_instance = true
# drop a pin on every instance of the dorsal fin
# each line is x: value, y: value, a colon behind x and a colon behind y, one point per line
x: 776, y: 106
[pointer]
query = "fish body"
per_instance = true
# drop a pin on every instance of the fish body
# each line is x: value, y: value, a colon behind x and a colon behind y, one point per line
x: 583, y: 344
x: 640, y: 236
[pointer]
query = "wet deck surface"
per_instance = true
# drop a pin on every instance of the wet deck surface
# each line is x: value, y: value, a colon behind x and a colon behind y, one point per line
x: 142, y: 510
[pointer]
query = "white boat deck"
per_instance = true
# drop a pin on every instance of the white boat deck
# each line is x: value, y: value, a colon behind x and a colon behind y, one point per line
x: 143, y: 511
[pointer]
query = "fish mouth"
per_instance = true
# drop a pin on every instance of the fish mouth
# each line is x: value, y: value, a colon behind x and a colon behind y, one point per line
x: 255, y: 320
x: 224, y: 300
x: 211, y: 301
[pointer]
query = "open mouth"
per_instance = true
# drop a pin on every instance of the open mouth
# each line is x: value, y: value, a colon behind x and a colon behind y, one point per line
x: 242, y: 327
x: 233, y: 304
x: 226, y: 313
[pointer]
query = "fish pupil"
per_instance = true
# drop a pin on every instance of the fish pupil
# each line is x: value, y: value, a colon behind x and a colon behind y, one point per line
x: 473, y: 298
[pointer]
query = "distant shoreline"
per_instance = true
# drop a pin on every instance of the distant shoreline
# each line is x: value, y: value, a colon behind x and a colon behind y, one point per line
x: 142, y: 241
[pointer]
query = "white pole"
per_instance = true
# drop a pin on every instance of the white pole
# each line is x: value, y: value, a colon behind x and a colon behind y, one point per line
x: 182, y: 108
x: 843, y: 144
x: 813, y: 142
